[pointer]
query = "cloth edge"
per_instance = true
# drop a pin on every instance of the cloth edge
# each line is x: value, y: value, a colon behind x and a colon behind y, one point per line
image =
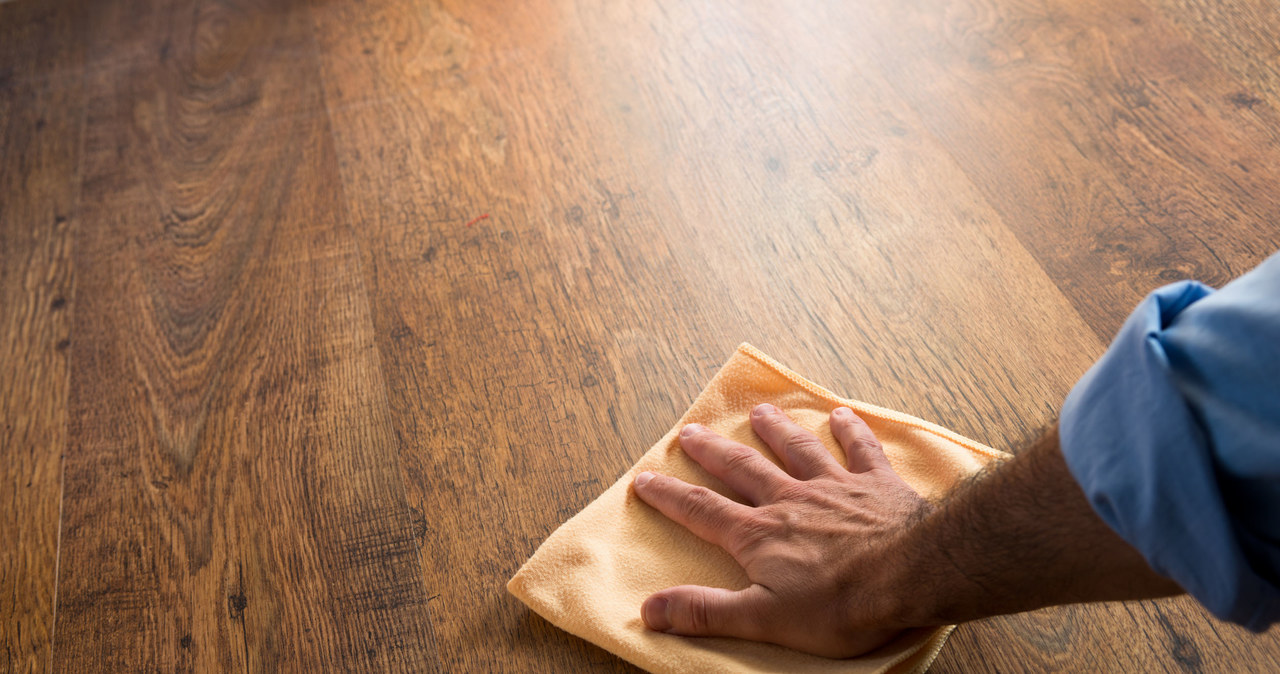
x: 867, y: 409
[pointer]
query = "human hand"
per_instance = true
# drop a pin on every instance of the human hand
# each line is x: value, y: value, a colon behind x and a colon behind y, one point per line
x: 814, y: 540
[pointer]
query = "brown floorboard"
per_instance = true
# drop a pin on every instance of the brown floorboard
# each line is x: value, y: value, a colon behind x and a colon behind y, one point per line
x: 232, y: 499
x: 41, y: 114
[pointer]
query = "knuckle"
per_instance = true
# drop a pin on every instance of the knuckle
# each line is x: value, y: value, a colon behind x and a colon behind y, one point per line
x: 698, y: 613
x: 739, y: 459
x: 799, y: 441
x: 697, y: 502
x: 752, y: 532
x: 787, y: 523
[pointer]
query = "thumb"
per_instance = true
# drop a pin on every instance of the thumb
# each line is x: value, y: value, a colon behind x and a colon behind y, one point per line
x: 694, y: 611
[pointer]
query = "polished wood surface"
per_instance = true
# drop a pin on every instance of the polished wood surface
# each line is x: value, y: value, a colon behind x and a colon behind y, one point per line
x: 41, y: 114
x: 317, y: 317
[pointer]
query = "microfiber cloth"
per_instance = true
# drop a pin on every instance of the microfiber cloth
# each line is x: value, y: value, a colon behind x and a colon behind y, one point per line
x: 591, y: 575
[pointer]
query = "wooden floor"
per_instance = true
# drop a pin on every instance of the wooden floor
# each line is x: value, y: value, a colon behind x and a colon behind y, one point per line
x: 317, y: 317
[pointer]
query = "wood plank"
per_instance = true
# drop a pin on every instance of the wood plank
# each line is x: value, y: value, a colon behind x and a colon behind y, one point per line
x: 41, y: 114
x: 232, y: 501
x: 494, y: 361
x: 655, y: 196
x: 1114, y: 147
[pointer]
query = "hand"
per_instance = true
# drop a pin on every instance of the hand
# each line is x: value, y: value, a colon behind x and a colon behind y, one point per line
x: 814, y: 542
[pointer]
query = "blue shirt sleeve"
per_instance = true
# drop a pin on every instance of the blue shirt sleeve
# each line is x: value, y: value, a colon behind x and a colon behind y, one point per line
x: 1174, y: 435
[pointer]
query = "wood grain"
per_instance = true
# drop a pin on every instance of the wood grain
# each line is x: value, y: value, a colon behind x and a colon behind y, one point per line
x: 231, y: 497
x: 1137, y: 165
x: 841, y: 228
x: 1170, y: 635
x: 41, y: 112
x: 312, y: 390
x: 1240, y: 37
x: 498, y: 377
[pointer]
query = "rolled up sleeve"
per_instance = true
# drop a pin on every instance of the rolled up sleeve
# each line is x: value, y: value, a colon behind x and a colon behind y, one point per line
x: 1174, y: 435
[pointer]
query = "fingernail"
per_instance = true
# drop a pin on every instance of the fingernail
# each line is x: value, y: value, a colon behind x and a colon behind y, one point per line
x: 763, y: 409
x: 655, y: 614
x: 643, y: 478
x: 690, y: 430
x: 841, y: 412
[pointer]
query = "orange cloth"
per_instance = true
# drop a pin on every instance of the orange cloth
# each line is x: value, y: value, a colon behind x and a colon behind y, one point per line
x: 592, y: 574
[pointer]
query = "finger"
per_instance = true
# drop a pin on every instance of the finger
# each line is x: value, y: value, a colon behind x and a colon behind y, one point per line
x: 802, y: 451
x: 745, y: 470
x: 860, y: 445
x: 710, y: 516
x: 691, y: 610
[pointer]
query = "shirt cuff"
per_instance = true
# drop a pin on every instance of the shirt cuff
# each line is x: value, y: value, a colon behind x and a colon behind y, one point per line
x: 1147, y: 467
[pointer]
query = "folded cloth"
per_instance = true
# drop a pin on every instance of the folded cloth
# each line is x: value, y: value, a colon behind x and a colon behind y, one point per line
x: 591, y: 575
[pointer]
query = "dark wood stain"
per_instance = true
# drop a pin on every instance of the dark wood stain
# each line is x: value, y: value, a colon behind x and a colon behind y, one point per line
x: 42, y: 111
x: 268, y: 403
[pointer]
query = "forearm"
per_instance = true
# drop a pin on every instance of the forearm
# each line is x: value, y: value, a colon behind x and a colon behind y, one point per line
x: 1017, y: 537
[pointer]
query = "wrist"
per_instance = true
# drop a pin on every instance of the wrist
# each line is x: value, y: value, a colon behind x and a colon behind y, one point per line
x: 924, y: 585
x: 908, y: 588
